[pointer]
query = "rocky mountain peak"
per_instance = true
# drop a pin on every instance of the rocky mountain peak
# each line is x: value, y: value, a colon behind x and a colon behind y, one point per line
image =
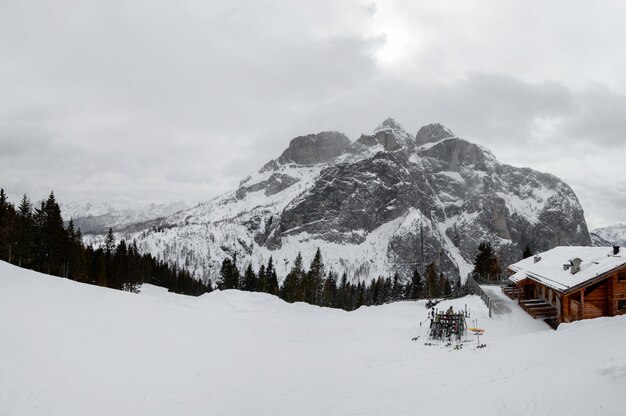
x: 388, y: 124
x: 432, y: 133
x: 391, y: 127
x: 315, y: 148
x: 390, y: 134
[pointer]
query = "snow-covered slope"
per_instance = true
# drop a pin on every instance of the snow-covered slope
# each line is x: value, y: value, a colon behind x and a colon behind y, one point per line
x: 388, y: 202
x: 72, y: 349
x: 614, y: 234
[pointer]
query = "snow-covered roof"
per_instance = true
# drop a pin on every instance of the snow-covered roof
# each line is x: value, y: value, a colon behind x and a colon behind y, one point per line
x: 517, y: 277
x: 549, y: 270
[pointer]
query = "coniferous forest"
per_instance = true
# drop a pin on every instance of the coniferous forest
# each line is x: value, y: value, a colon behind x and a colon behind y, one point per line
x: 36, y: 238
x: 318, y: 287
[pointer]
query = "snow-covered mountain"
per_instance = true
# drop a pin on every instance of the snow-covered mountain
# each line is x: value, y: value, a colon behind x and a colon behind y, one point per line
x: 613, y: 234
x: 388, y: 202
x: 97, y: 218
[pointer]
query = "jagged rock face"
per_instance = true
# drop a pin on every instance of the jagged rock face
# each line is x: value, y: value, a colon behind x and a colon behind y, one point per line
x: 348, y: 198
x: 315, y: 148
x: 387, y: 203
x: 274, y: 184
x: 432, y: 133
x: 389, y: 141
x: 597, y: 241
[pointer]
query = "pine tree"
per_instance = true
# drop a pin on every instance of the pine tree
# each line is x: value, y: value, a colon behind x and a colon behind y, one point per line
x: 432, y: 284
x: 261, y: 284
x: 359, y: 296
x: 229, y: 275
x: 527, y: 252
x: 447, y: 286
x: 225, y: 274
x: 236, y: 275
x: 272, y: 278
x: 109, y: 243
x: 109, y: 250
x: 343, y: 293
x: 396, y: 288
x: 314, y: 279
x: 416, y: 286
x: 289, y: 289
x: 120, y: 267
x: 7, y: 228
x: 4, y: 201
x: 70, y: 235
x: 4, y: 226
x: 387, y: 290
x: 293, y: 281
x: 249, y: 279
x: 54, y: 240
x: 329, y: 291
x: 25, y: 237
x: 486, y: 263
x: 39, y: 242
x: 100, y: 268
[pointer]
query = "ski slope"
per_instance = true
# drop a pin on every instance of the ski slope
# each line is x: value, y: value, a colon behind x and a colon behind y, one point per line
x: 72, y: 349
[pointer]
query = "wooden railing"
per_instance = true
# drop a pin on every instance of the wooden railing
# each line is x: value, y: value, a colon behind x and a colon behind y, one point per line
x: 475, y: 287
x: 497, y: 279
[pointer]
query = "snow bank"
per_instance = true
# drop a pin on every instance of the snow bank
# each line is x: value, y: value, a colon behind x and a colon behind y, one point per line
x: 72, y: 349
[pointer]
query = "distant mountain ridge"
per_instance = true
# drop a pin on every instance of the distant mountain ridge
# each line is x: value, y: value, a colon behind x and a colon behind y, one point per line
x: 613, y: 235
x: 98, y: 218
x: 387, y: 202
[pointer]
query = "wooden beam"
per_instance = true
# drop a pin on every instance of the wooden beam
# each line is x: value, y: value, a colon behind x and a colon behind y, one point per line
x: 582, y: 296
x: 610, y: 296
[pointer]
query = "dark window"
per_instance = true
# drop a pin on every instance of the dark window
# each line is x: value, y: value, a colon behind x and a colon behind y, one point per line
x: 621, y: 304
x: 621, y: 277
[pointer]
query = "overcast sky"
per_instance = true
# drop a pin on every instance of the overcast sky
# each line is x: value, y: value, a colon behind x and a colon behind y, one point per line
x: 164, y: 100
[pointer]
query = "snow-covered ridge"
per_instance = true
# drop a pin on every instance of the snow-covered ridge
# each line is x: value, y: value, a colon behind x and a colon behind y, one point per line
x: 614, y: 234
x: 97, y: 218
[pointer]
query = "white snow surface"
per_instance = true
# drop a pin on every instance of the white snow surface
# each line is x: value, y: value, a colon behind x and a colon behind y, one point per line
x: 73, y: 349
x: 549, y: 270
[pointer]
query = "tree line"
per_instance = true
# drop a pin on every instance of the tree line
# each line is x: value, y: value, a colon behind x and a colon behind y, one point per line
x: 36, y: 238
x: 316, y: 287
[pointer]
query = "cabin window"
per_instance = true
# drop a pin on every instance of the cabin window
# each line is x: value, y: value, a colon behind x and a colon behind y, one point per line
x: 621, y: 304
x: 621, y: 277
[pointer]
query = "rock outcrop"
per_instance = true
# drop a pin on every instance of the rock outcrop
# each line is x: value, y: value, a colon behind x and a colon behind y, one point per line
x: 315, y: 148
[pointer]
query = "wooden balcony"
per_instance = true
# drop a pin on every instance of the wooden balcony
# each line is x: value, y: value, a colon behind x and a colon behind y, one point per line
x: 511, y: 292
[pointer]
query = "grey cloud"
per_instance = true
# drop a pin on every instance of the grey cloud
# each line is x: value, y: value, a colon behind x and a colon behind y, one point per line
x: 181, y: 101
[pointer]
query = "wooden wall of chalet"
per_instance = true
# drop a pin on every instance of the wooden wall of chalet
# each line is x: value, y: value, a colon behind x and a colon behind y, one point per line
x: 599, y: 299
x: 596, y: 300
x: 617, y: 291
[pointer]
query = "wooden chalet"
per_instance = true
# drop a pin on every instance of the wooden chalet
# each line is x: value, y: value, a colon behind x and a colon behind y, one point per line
x: 571, y: 283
